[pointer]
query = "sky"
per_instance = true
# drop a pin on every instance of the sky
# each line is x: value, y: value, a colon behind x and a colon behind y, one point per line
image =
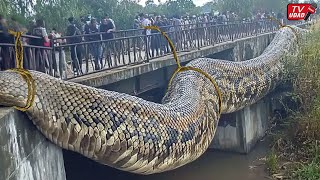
x: 196, y: 2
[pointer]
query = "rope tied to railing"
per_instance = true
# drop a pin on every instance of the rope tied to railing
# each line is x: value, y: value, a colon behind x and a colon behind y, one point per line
x: 282, y: 25
x: 186, y: 68
x: 23, y: 72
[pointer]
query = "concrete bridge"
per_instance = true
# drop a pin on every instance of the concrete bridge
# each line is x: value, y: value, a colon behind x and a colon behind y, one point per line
x: 25, y: 153
x: 238, y: 131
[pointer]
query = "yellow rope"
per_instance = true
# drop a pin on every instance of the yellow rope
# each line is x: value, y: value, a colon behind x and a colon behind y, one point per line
x: 277, y: 20
x: 283, y: 26
x: 293, y: 30
x: 186, y: 68
x: 24, y: 73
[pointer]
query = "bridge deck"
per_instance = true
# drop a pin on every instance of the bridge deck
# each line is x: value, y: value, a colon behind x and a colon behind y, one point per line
x: 108, y: 76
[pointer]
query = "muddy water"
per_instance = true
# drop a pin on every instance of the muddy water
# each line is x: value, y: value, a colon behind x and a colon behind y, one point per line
x: 213, y: 165
x: 217, y: 165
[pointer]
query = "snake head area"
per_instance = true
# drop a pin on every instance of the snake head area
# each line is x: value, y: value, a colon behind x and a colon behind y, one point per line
x: 13, y: 89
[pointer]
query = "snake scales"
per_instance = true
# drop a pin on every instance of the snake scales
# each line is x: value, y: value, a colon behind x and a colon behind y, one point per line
x: 131, y: 134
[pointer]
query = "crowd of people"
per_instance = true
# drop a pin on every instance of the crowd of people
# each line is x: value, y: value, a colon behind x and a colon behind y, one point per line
x: 88, y: 28
x: 162, y: 20
x: 73, y: 35
x: 220, y: 18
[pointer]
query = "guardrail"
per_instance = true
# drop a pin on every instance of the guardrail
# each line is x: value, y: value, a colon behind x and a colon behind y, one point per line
x: 71, y: 60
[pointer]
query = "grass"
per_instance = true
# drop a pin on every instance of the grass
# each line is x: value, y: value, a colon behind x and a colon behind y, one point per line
x: 310, y: 171
x: 296, y: 149
x: 272, y: 162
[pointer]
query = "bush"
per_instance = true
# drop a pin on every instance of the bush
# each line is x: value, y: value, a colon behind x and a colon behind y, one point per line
x: 298, y: 145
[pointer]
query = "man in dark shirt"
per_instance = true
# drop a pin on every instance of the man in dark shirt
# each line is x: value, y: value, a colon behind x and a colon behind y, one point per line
x: 5, y: 37
x: 95, y: 48
x: 156, y: 40
x: 107, y: 28
x: 93, y: 30
x: 83, y: 24
x: 76, y: 50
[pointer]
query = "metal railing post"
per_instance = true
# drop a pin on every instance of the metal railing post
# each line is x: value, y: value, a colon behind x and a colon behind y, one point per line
x: 197, y: 33
x: 15, y: 58
x: 256, y: 27
x: 147, y: 46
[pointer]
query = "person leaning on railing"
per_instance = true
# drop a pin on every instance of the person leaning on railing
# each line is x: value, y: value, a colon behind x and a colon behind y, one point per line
x: 144, y: 21
x: 60, y: 65
x: 5, y: 38
x: 107, y: 28
x: 17, y: 27
x: 41, y: 54
x: 75, y: 50
x: 95, y: 48
x: 156, y: 39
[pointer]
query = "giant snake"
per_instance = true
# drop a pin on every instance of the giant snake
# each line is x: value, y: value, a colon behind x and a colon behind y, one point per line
x: 135, y: 135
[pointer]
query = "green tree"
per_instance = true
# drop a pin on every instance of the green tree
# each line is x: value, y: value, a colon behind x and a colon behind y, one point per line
x: 181, y: 7
x: 151, y: 7
x: 241, y: 7
x: 270, y: 5
x: 246, y: 8
x: 210, y: 7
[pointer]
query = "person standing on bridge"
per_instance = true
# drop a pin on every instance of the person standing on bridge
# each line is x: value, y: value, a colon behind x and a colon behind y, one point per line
x: 144, y: 21
x: 41, y: 54
x: 76, y: 50
x: 95, y: 47
x: 59, y: 55
x: 107, y: 28
x: 107, y: 17
x: 5, y: 61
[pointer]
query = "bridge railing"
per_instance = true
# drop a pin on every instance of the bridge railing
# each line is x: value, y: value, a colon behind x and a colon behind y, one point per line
x: 35, y: 57
x: 68, y: 60
x: 138, y: 31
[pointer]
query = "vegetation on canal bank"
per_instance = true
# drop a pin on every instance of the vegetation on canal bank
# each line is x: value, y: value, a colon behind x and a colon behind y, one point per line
x: 295, y: 150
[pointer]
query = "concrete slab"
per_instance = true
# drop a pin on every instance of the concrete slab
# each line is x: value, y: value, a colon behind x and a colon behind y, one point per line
x: 241, y: 130
x: 25, y: 154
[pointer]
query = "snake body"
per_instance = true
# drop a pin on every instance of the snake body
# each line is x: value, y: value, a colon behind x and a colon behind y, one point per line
x: 135, y: 135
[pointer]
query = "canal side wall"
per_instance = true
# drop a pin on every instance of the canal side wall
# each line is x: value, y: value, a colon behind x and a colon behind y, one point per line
x: 24, y: 151
x: 241, y: 130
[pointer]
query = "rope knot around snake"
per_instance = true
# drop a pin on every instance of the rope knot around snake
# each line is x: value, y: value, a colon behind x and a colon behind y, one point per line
x: 187, y: 68
x: 26, y: 75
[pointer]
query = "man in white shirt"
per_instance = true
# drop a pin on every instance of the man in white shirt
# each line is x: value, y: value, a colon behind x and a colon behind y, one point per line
x: 145, y: 22
x: 60, y: 57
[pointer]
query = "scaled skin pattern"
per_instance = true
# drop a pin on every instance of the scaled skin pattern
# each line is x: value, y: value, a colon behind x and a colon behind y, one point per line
x: 135, y: 135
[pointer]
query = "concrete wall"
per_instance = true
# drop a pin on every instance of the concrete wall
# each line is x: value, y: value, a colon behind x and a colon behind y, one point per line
x: 24, y: 153
x: 249, y: 49
x: 241, y: 130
